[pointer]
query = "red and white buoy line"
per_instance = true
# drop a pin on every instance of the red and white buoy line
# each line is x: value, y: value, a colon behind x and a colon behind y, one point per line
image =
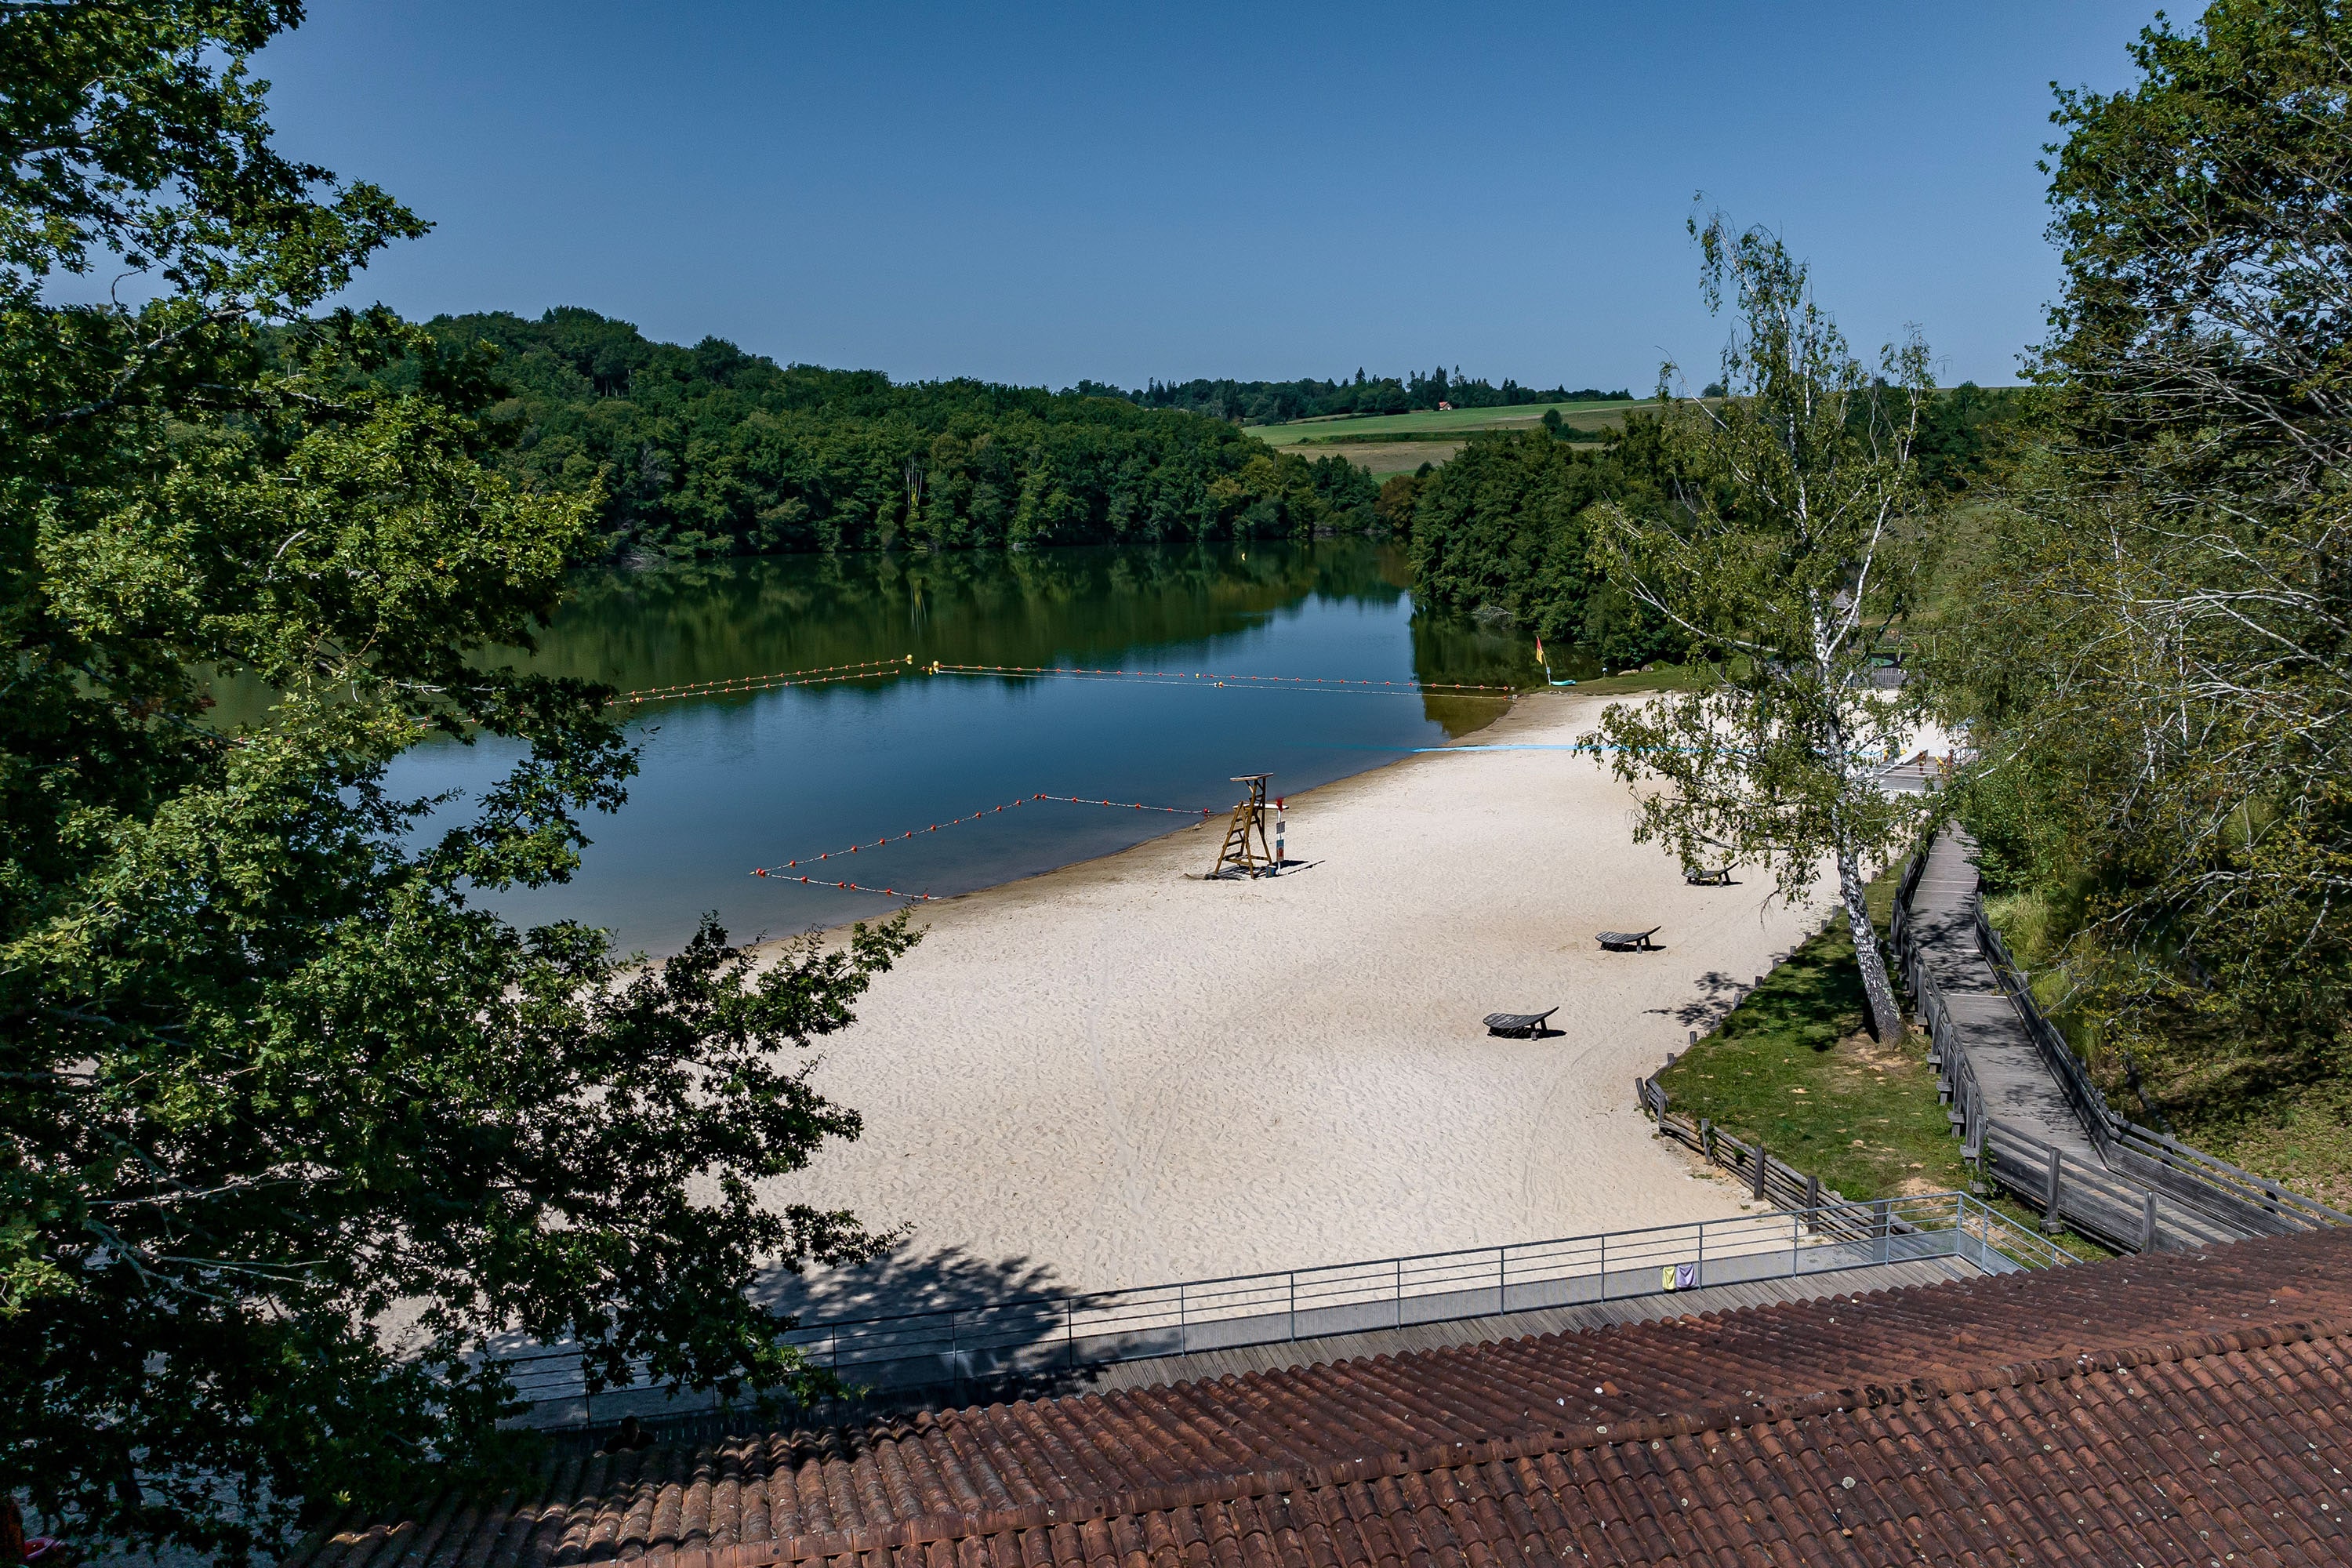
x: 1188, y: 678
x: 904, y: 664
x: 825, y: 675
x: 780, y: 872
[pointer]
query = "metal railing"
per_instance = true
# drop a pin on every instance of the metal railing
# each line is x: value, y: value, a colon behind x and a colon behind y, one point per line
x: 2248, y: 1204
x: 1039, y: 1336
x: 2148, y: 1190
x: 1827, y: 1210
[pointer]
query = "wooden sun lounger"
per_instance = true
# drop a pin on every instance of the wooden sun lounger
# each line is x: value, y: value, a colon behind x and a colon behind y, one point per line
x: 1526, y: 1025
x: 1630, y: 941
x: 1698, y: 877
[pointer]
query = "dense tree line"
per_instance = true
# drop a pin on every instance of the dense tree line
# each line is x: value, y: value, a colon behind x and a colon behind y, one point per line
x: 2149, y: 631
x: 709, y: 450
x: 295, y: 1136
x: 1275, y: 402
x: 1503, y: 524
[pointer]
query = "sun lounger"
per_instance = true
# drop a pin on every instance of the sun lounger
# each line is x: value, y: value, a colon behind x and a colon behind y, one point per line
x: 1526, y: 1025
x: 1630, y: 941
x: 1697, y: 877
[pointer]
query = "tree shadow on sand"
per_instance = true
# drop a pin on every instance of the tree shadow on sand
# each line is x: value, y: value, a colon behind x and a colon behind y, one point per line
x: 924, y: 1330
x: 1719, y: 994
x: 905, y: 1281
x: 912, y: 1331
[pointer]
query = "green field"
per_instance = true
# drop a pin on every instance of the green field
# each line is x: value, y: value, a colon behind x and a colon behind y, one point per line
x: 1437, y: 425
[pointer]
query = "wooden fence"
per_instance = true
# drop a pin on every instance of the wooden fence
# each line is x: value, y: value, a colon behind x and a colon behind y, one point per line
x: 2147, y: 1191
x: 1824, y: 1211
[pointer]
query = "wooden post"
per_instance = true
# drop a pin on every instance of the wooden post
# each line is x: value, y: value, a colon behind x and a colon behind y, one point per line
x: 2147, y: 1220
x: 1812, y: 1201
x: 1760, y: 1168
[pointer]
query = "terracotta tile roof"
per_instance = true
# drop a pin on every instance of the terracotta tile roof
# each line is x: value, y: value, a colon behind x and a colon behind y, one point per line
x: 2175, y: 1408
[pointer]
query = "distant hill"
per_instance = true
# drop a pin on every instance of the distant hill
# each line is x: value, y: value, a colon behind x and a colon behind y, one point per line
x: 709, y: 450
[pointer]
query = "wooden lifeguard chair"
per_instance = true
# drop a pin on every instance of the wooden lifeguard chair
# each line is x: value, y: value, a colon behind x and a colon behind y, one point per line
x: 1246, y: 850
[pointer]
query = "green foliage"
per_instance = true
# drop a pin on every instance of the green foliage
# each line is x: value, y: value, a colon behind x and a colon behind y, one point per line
x: 290, y: 1132
x: 1786, y: 546
x: 709, y: 450
x: 1964, y: 436
x: 1503, y: 524
x: 2151, y: 635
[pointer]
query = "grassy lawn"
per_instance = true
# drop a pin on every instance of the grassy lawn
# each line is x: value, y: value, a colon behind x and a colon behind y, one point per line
x: 1792, y: 1066
x: 1381, y: 458
x: 1439, y: 422
x: 1654, y: 678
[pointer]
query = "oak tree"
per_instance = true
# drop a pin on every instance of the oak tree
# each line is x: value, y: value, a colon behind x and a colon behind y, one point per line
x: 293, y: 1132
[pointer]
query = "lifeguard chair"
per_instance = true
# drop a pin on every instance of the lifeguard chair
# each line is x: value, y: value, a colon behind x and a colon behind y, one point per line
x: 1247, y: 852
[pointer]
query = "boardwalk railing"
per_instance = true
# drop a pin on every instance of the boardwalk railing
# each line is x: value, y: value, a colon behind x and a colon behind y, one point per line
x: 2249, y: 1203
x: 1824, y: 1210
x: 2150, y: 1191
x: 1041, y: 1336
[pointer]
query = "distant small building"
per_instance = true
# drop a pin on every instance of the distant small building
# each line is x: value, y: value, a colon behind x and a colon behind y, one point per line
x: 1444, y: 406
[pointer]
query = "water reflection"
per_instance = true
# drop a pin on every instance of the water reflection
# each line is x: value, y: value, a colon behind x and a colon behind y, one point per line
x: 735, y: 782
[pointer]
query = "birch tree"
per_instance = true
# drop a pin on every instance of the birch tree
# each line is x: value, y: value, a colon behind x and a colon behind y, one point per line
x: 1786, y: 545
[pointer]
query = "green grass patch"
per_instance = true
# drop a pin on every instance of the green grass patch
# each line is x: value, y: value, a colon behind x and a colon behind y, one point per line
x: 1440, y: 422
x: 1653, y: 678
x: 1793, y: 1066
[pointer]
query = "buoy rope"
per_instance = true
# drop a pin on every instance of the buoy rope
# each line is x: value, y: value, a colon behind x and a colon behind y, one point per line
x: 823, y: 674
x: 857, y: 888
x: 1182, y: 677
x: 889, y: 839
x: 904, y: 664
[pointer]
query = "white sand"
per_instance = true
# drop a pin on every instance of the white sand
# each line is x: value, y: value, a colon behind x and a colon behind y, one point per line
x: 1114, y: 1075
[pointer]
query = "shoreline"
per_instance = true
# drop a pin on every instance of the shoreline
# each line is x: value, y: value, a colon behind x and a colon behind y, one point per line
x: 1401, y: 754
x: 1116, y: 1074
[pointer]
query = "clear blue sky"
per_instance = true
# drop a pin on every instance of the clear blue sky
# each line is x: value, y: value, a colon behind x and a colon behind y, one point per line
x: 1036, y: 193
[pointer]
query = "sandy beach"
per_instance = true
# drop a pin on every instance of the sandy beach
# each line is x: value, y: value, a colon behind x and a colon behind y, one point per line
x: 1116, y: 1074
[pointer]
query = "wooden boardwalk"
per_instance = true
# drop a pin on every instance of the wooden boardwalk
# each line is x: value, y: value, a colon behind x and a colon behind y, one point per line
x: 2019, y: 1086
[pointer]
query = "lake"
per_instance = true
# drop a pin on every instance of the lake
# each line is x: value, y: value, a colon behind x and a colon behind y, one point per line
x: 730, y: 783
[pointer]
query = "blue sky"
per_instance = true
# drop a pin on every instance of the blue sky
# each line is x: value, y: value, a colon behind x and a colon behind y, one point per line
x: 1036, y: 193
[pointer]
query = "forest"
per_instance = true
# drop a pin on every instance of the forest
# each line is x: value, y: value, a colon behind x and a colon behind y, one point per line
x: 1503, y: 526
x: 708, y: 450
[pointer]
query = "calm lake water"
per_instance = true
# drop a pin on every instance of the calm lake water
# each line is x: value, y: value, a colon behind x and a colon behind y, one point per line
x: 730, y: 783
